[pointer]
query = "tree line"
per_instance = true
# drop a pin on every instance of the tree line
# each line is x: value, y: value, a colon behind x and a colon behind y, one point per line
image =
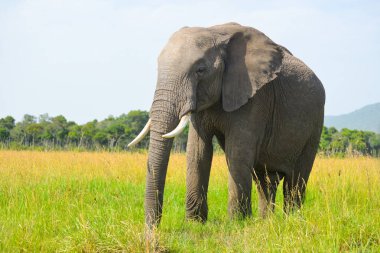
x: 351, y: 142
x: 50, y: 133
x: 114, y: 133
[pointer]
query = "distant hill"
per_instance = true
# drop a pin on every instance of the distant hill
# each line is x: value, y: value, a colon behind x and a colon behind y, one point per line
x: 366, y: 118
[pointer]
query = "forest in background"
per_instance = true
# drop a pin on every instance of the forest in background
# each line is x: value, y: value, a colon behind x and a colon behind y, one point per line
x: 114, y: 134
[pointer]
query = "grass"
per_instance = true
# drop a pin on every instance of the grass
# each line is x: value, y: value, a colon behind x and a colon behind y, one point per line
x: 93, y: 202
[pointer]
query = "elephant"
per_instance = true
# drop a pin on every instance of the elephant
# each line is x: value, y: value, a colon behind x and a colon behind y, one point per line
x: 264, y: 106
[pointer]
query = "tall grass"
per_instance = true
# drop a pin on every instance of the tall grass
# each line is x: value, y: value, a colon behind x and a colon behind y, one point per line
x: 71, y: 201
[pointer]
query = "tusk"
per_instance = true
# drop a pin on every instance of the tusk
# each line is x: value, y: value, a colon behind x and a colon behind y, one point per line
x: 181, y: 126
x: 141, y: 135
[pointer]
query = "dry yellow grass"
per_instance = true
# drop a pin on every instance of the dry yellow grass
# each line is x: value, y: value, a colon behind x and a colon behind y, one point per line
x: 71, y: 201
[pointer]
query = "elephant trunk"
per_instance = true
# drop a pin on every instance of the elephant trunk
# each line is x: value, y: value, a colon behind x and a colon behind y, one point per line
x: 164, y: 118
x: 169, y: 104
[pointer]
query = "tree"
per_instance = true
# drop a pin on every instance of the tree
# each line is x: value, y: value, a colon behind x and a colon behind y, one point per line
x: 74, y: 134
x: 34, y: 131
x: 20, y: 131
x: 375, y: 144
x: 339, y: 143
x: 115, y: 131
x: 101, y: 138
x: 357, y: 142
x: 4, y: 134
x: 6, y: 125
x: 8, y: 122
x: 134, y: 122
x: 28, y: 119
x: 59, y: 129
x: 88, y: 131
x: 325, y: 141
x: 44, y: 118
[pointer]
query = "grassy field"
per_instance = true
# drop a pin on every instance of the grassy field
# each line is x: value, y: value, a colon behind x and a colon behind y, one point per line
x: 93, y: 202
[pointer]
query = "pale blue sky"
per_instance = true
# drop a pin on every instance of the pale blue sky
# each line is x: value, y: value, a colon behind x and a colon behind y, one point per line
x: 89, y: 59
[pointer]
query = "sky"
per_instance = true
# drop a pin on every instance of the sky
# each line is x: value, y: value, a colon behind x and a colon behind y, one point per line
x: 89, y: 59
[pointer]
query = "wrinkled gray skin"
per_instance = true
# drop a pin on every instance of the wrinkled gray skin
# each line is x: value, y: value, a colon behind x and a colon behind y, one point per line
x: 264, y: 105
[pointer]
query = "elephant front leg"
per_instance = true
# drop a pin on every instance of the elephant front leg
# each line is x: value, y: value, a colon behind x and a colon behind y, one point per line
x: 240, y: 154
x: 199, y: 157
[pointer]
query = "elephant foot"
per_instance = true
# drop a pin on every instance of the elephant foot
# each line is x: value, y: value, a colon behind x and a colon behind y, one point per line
x: 292, y: 205
x: 197, y: 212
x: 197, y: 215
x: 266, y: 209
x: 196, y: 218
x: 240, y: 210
x: 151, y: 242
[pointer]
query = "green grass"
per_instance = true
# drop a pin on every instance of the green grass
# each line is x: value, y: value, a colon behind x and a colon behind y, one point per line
x: 93, y: 202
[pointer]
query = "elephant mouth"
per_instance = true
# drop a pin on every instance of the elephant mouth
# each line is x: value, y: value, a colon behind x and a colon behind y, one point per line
x: 188, y: 108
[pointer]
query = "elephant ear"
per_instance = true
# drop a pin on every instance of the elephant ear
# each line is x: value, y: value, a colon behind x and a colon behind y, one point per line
x: 251, y: 61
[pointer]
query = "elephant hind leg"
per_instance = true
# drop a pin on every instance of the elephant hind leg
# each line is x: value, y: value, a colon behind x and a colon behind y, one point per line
x: 240, y: 186
x: 295, y: 182
x: 266, y: 183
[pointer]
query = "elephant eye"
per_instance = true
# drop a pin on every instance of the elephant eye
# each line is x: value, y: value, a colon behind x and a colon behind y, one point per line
x: 201, y: 70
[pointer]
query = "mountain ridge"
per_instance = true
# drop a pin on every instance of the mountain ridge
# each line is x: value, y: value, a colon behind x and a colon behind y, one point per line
x: 366, y: 118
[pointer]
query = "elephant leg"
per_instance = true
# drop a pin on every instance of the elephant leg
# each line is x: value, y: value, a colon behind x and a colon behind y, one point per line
x: 295, y: 182
x: 242, y: 146
x: 240, y: 187
x: 267, y: 183
x: 199, y: 157
x: 294, y: 190
x: 240, y: 163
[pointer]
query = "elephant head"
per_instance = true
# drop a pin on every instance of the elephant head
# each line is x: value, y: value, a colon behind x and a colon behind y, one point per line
x: 198, y: 68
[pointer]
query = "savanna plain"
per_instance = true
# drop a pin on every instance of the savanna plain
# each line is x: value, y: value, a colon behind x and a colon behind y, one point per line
x: 93, y: 202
